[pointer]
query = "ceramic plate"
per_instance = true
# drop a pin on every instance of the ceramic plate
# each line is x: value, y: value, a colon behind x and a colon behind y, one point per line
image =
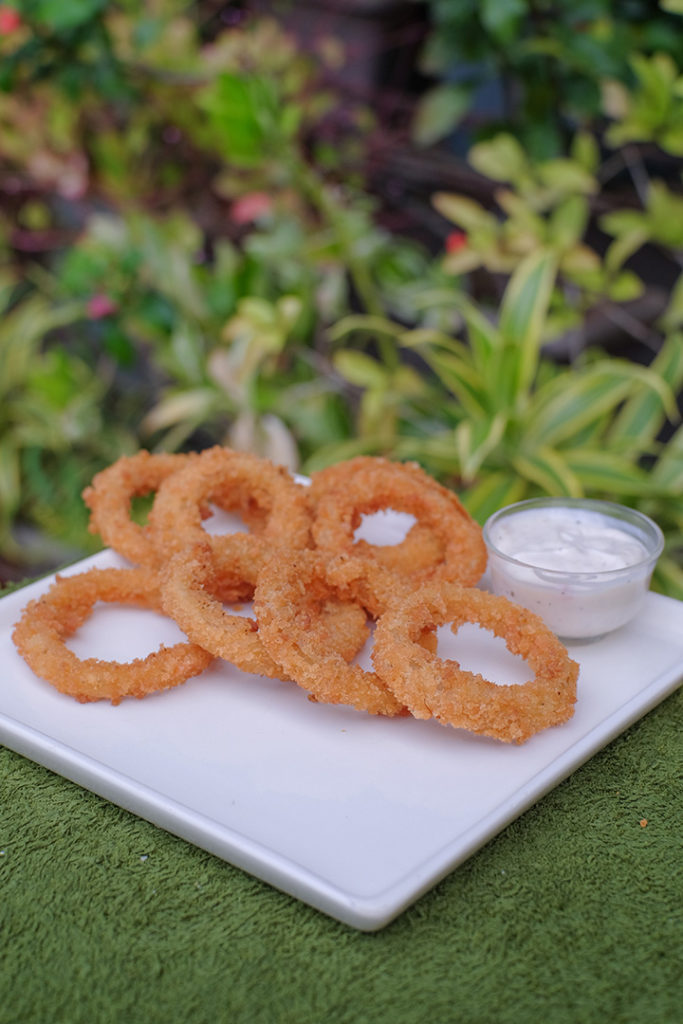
x: 353, y: 814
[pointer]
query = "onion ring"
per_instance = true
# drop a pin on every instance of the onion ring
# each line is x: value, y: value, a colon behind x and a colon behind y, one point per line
x: 235, y: 481
x: 191, y: 594
x: 109, y: 498
x: 444, y: 544
x: 434, y: 687
x: 48, y: 621
x: 290, y: 594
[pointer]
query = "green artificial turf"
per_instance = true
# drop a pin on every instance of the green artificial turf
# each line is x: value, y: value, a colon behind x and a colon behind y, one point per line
x: 571, y: 915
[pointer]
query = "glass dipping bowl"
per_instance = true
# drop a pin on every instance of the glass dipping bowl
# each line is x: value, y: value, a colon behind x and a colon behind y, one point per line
x: 563, y: 558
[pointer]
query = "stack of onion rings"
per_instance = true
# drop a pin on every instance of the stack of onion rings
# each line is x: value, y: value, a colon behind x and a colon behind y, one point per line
x: 316, y: 592
x: 193, y: 593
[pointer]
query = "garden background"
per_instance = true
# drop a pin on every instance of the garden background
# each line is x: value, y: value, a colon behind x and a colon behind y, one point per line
x: 448, y: 232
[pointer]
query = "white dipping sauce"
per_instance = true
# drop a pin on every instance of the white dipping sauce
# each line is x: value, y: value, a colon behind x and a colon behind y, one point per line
x: 584, y: 571
x: 568, y: 540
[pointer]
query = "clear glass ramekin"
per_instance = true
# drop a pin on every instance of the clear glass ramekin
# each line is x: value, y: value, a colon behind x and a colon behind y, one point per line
x: 579, y: 599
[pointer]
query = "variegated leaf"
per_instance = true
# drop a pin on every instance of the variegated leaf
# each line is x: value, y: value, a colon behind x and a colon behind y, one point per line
x: 643, y: 414
x: 668, y: 470
x: 571, y: 401
x: 545, y: 468
x: 359, y: 322
x: 492, y: 492
x: 193, y: 406
x: 458, y: 377
x: 523, y: 313
x: 607, y: 473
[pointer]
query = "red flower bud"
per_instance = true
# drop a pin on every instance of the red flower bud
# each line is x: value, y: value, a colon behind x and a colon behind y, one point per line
x: 10, y: 20
x: 99, y: 306
x: 250, y: 207
x: 456, y: 241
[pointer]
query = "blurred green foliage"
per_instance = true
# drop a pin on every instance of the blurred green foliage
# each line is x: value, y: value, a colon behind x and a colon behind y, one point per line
x: 552, y: 63
x: 190, y: 256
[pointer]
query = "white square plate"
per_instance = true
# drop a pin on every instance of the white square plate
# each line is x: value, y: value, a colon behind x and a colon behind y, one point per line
x: 353, y: 814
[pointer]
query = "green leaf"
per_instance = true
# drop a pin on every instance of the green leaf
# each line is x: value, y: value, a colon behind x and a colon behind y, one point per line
x: 573, y: 400
x: 523, y: 312
x: 665, y: 215
x: 475, y: 440
x: 567, y: 176
x: 622, y: 222
x: 526, y: 299
x: 406, y: 382
x: 545, y: 468
x: 360, y: 322
x: 672, y: 318
x: 10, y: 480
x: 586, y: 151
x: 243, y: 111
x: 502, y: 17
x: 22, y: 331
x: 520, y: 211
x: 461, y: 379
x: 329, y: 454
x: 656, y: 75
x: 501, y: 158
x: 421, y: 338
x: 65, y: 15
x: 464, y: 212
x: 439, y: 111
x: 493, y: 491
x: 360, y: 369
x: 483, y: 335
x: 580, y: 261
x: 671, y: 139
x: 668, y: 578
x: 567, y: 222
x: 643, y: 414
x: 606, y: 472
x: 625, y: 287
x: 668, y: 470
x: 465, y: 260
x: 184, y: 407
x: 624, y: 246
x: 288, y: 311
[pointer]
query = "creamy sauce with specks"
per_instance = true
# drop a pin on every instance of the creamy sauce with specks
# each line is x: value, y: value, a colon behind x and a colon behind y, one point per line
x: 584, y: 575
x: 570, y: 540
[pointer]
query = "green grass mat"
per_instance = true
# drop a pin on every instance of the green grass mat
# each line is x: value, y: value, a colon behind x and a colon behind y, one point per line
x: 572, y: 914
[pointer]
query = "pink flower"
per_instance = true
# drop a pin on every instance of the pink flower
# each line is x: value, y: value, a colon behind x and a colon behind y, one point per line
x: 456, y: 241
x: 250, y: 207
x: 100, y: 305
x: 10, y: 20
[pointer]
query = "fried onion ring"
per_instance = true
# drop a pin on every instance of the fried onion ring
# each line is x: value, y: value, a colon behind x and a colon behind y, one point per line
x: 445, y: 543
x: 434, y: 687
x: 191, y: 594
x: 290, y: 594
x: 260, y: 491
x: 109, y: 498
x: 47, y: 622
